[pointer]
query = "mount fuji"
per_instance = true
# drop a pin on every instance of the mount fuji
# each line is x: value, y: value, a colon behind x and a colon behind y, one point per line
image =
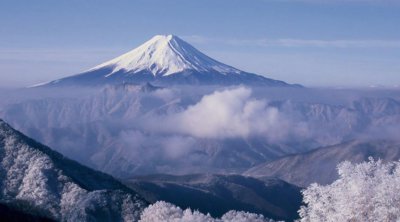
x: 165, y: 60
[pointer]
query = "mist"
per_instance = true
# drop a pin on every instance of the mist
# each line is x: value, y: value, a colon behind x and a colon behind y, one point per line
x: 129, y: 129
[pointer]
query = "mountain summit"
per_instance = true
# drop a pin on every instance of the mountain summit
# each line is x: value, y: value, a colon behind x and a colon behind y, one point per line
x: 164, y: 55
x: 165, y: 60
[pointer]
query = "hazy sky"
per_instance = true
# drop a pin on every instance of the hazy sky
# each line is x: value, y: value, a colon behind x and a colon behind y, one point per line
x: 311, y: 42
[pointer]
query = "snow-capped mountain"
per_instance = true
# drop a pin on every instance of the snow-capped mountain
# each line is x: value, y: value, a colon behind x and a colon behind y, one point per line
x: 165, y: 59
x: 164, y: 55
x: 42, y: 182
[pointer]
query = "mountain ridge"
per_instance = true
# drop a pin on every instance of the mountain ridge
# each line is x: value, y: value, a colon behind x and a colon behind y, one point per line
x: 34, y: 177
x: 217, y: 194
x: 319, y: 165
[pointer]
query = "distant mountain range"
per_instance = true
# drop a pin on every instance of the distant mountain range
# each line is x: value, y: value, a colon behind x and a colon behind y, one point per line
x: 319, y: 166
x: 106, y: 130
x: 165, y: 60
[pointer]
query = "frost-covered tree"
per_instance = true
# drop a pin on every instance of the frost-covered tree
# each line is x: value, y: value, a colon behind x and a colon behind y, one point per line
x: 163, y: 211
x: 369, y: 191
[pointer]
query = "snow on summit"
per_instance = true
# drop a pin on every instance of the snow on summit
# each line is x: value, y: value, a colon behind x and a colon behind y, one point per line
x: 165, y: 55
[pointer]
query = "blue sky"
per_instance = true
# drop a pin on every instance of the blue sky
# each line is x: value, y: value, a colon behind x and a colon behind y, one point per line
x: 312, y: 42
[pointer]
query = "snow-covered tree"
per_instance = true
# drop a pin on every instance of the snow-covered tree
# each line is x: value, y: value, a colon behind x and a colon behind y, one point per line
x: 368, y: 191
x: 163, y: 211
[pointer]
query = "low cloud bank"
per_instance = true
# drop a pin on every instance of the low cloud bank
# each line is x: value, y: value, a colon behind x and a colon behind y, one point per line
x: 228, y: 114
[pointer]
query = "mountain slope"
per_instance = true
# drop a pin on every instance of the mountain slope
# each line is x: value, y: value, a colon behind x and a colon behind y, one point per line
x: 11, y: 214
x: 38, y: 179
x: 320, y: 165
x: 165, y: 60
x: 217, y: 194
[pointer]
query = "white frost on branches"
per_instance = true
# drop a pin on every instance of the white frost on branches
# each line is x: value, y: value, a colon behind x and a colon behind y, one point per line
x: 31, y: 178
x: 163, y: 211
x: 369, y: 191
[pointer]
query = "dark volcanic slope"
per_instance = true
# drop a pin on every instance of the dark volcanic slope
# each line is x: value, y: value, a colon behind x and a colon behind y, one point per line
x: 320, y: 165
x: 218, y: 194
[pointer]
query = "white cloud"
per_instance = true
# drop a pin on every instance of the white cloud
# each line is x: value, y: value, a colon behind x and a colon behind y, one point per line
x: 226, y: 114
x: 340, y: 1
x: 177, y: 146
x: 57, y: 54
x: 292, y: 42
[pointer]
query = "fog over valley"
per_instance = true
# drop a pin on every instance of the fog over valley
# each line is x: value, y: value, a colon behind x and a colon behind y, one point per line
x: 130, y: 129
